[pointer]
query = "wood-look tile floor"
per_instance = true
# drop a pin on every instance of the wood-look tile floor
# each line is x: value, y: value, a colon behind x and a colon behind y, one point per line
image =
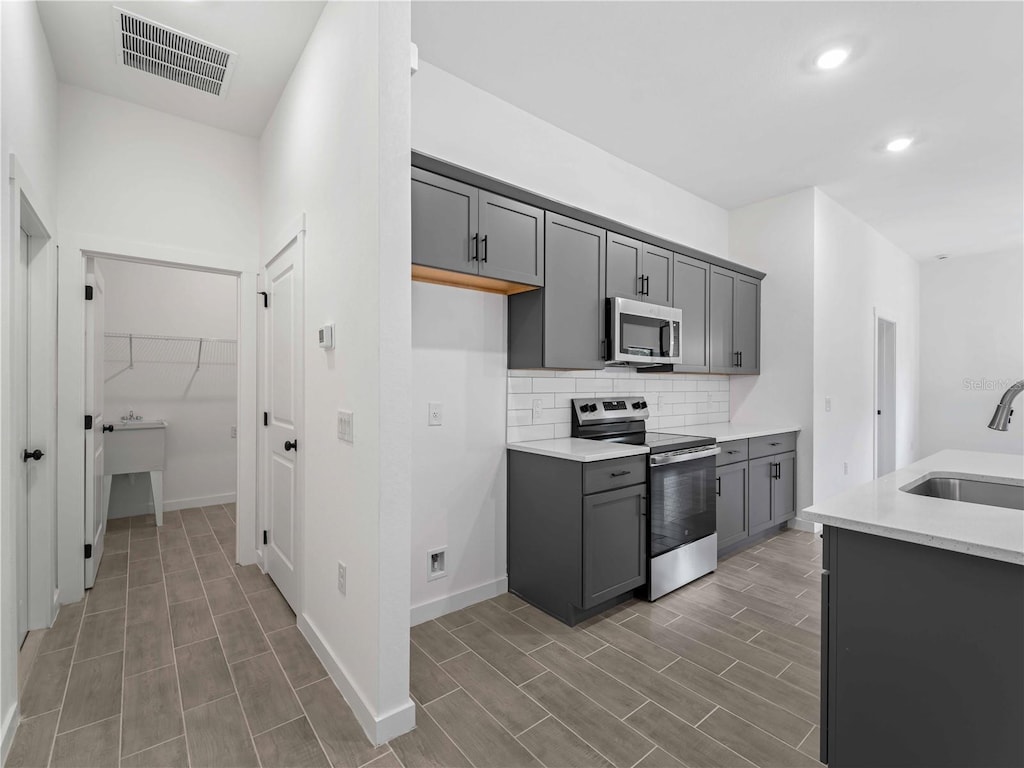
x: 167, y: 663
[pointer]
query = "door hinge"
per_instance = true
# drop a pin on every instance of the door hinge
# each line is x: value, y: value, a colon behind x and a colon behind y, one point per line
x: 266, y: 298
x: 88, y: 551
x: 88, y: 293
x: 266, y: 419
x: 88, y: 421
x: 264, y: 538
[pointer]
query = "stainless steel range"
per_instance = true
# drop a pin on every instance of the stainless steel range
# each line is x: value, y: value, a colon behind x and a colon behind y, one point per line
x: 683, y: 543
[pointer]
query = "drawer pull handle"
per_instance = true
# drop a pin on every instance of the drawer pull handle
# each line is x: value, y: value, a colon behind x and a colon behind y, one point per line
x: 774, y: 443
x: 732, y: 452
x: 623, y: 472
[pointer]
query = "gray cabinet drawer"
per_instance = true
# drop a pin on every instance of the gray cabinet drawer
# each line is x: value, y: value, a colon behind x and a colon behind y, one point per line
x: 614, y: 473
x: 732, y: 451
x: 772, y: 444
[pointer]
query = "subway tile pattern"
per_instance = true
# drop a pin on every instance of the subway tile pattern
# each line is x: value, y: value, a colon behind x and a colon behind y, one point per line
x: 674, y: 399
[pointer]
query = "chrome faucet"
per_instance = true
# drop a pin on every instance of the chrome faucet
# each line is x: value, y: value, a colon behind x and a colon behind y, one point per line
x: 1001, y: 418
x: 130, y: 417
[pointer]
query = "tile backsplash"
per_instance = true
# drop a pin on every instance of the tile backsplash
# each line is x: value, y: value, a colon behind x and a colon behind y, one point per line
x: 674, y: 399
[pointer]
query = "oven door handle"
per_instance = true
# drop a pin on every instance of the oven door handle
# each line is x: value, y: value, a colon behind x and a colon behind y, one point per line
x: 676, y: 458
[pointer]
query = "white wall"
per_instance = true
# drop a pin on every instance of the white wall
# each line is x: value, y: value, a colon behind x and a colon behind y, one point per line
x: 465, y: 125
x: 199, y: 406
x: 858, y: 272
x: 458, y: 470
x: 972, y: 349
x: 337, y: 149
x: 28, y: 129
x: 777, y: 237
x: 141, y: 183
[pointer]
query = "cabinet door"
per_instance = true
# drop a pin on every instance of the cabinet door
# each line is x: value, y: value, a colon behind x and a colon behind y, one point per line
x: 731, y: 503
x: 759, y: 500
x: 784, y: 488
x: 722, y: 358
x: 511, y: 240
x: 614, y: 543
x: 746, y: 323
x: 690, y: 286
x: 573, y: 294
x: 444, y: 223
x: 625, y: 256
x: 657, y: 272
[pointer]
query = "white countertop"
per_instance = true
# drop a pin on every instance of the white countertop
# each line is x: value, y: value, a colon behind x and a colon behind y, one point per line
x: 881, y: 508
x: 579, y: 449
x: 731, y: 430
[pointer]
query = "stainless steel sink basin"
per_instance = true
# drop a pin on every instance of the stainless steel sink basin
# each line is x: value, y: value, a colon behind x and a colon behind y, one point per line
x: 973, y: 491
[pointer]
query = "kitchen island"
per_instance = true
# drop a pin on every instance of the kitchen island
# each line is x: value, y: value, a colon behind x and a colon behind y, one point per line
x: 923, y: 613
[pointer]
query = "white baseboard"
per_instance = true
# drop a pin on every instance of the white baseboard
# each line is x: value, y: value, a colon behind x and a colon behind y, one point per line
x: 458, y: 600
x: 200, y: 501
x: 7, y: 730
x: 378, y: 729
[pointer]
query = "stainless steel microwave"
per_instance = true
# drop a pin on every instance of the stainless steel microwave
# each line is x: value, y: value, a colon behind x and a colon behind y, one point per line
x: 642, y: 334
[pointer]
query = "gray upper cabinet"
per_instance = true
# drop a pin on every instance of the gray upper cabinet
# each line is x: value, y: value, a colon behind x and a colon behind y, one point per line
x: 691, y: 285
x: 735, y: 322
x: 657, y: 274
x: 444, y: 223
x: 511, y: 240
x: 623, y: 274
x: 460, y: 228
x: 563, y: 325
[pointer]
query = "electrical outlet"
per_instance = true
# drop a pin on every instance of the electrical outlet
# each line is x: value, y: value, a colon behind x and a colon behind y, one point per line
x: 436, y: 564
x: 709, y: 397
x: 434, y: 414
x: 538, y: 408
x: 234, y: 431
x: 342, y: 577
x: 828, y: 404
x: 346, y: 427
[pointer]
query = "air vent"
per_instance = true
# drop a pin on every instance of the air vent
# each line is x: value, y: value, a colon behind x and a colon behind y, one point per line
x: 159, y: 50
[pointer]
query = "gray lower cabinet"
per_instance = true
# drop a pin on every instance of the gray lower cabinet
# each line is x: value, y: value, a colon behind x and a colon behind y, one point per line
x: 735, y: 310
x: 921, y: 661
x: 731, y: 504
x: 572, y: 553
x: 460, y: 228
x: 562, y: 326
x: 756, y: 487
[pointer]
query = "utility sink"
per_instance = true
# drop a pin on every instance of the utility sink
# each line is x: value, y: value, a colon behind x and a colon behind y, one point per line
x: 971, y: 489
x: 137, y: 446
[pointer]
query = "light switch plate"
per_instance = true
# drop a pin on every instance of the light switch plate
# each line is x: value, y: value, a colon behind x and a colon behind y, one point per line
x: 346, y: 428
x: 342, y: 578
x: 828, y: 403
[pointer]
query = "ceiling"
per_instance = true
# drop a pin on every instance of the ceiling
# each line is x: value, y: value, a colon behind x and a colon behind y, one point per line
x: 722, y: 99
x: 268, y: 38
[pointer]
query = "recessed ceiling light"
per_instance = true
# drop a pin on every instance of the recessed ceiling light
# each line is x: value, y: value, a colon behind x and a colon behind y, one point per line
x: 899, y: 144
x: 832, y: 58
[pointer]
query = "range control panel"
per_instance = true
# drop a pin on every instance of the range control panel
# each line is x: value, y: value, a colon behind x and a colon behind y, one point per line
x: 611, y: 408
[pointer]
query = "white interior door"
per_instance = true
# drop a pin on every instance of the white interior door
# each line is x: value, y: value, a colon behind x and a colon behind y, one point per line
x: 19, y: 413
x: 95, y: 497
x: 282, y: 366
x: 885, y: 414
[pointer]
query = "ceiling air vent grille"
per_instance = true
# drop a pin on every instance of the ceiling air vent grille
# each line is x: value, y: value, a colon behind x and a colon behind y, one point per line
x: 159, y: 50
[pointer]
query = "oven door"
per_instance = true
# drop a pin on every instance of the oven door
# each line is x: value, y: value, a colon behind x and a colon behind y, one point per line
x: 682, y: 498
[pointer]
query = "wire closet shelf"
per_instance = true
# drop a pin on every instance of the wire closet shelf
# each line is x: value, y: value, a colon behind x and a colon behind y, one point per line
x: 133, y: 348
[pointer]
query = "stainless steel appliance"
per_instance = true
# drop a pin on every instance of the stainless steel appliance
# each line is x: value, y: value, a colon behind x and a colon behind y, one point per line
x: 643, y: 334
x: 683, y: 542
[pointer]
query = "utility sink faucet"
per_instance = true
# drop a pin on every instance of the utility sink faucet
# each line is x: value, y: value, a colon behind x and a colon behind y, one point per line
x: 1001, y: 418
x: 130, y: 417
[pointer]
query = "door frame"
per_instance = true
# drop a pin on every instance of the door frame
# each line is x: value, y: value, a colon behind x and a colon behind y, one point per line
x: 28, y: 212
x: 879, y: 320
x: 294, y: 231
x: 71, y: 389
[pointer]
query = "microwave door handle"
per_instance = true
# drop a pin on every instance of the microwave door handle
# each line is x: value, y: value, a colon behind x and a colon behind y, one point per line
x: 672, y: 326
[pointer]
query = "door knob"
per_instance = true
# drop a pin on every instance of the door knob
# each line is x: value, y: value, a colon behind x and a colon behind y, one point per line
x: 108, y: 427
x: 291, y: 445
x: 35, y: 455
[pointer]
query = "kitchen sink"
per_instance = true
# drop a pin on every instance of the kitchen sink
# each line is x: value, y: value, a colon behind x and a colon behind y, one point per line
x: 972, y: 490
